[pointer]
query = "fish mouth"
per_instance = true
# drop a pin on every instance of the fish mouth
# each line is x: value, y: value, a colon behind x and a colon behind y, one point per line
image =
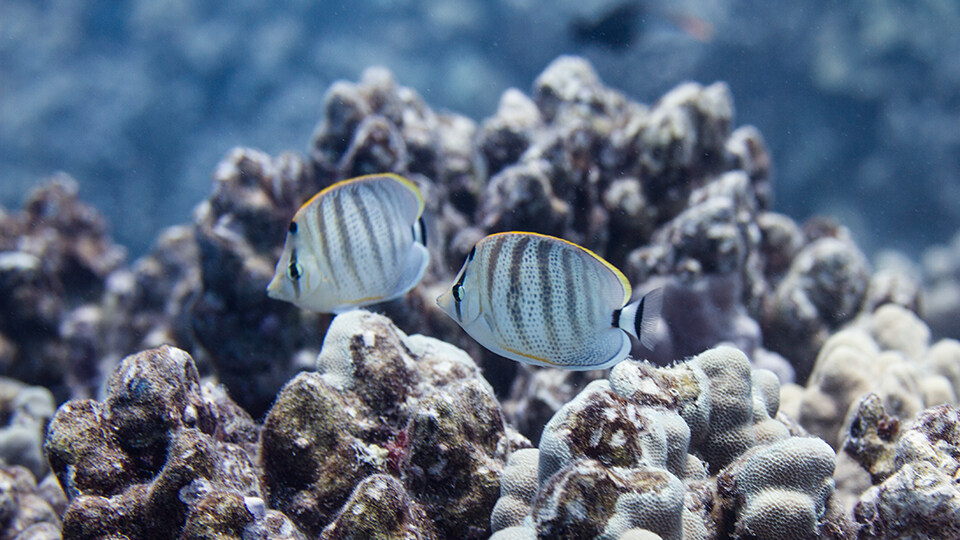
x: 449, y: 306
x: 275, y: 289
x: 445, y: 301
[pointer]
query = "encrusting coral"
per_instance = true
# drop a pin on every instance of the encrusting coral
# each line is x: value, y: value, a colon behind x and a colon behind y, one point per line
x: 385, y: 403
x: 783, y: 490
x: 161, y: 443
x: 688, y: 451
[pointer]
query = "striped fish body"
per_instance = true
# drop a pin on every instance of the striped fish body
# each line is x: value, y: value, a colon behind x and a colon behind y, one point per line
x: 356, y: 243
x: 545, y: 301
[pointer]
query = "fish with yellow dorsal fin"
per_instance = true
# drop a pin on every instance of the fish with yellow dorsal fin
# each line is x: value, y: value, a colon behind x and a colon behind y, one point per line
x: 549, y: 302
x: 358, y: 242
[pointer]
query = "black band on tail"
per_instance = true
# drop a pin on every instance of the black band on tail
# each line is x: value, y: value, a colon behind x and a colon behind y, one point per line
x: 640, y: 318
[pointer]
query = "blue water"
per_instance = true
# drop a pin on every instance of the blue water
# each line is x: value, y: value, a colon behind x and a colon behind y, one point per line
x: 139, y: 99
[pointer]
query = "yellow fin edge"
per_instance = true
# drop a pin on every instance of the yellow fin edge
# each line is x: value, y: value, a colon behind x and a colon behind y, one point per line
x: 531, y: 357
x: 369, y: 299
x: 627, y: 288
x: 421, y: 203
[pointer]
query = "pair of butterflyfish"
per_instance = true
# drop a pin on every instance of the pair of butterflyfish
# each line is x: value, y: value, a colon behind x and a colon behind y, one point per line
x: 525, y: 296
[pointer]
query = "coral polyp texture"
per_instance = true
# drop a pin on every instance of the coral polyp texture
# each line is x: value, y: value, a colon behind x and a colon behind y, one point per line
x: 793, y: 391
x: 688, y: 451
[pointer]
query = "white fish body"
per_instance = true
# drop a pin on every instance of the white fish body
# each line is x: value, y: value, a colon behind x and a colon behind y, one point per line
x: 356, y: 243
x: 545, y: 301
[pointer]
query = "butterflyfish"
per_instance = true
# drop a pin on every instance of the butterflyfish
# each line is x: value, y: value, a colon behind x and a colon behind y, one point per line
x: 358, y: 242
x: 549, y: 302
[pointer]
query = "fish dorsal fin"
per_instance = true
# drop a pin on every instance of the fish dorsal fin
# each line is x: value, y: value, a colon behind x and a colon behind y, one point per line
x: 624, y: 282
x: 398, y: 180
x: 406, y: 183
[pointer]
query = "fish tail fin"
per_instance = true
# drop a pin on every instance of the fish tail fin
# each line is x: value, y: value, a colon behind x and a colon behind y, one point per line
x: 640, y: 318
x: 420, y: 232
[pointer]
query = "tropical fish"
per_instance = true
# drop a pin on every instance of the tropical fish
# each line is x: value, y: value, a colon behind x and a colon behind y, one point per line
x: 357, y: 242
x: 548, y: 302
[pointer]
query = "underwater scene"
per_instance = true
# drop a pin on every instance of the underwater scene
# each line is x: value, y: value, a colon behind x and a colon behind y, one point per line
x: 430, y: 269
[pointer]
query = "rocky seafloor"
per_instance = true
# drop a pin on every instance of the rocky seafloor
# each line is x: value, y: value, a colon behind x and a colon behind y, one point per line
x: 794, y: 392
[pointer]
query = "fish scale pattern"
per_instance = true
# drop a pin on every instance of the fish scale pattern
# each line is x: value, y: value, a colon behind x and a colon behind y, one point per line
x: 352, y: 245
x: 512, y: 301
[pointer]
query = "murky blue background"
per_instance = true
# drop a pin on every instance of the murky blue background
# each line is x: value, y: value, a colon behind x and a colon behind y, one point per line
x: 138, y: 99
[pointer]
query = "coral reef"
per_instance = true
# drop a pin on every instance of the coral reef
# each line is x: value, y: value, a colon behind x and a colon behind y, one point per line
x: 688, y: 451
x: 916, y: 494
x: 252, y: 340
x: 823, y: 288
x: 782, y: 490
x: 887, y: 353
x: 348, y: 427
x: 147, y: 305
x: 55, y: 256
x: 673, y: 193
x: 26, y: 410
x: 163, y: 454
x: 26, y: 510
x: 402, y: 426
x: 382, y: 403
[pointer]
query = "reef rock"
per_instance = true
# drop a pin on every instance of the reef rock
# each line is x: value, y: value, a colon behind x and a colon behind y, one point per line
x: 161, y: 452
x: 55, y: 257
x: 396, y: 435
x: 238, y: 232
x: 919, y: 497
x: 383, y: 403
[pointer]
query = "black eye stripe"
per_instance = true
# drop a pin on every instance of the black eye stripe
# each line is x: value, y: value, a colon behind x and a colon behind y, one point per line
x: 293, y: 269
x: 472, y: 253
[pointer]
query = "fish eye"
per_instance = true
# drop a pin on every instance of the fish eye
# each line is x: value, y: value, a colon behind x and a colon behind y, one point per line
x: 294, y: 271
x: 457, y: 290
x: 293, y: 227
